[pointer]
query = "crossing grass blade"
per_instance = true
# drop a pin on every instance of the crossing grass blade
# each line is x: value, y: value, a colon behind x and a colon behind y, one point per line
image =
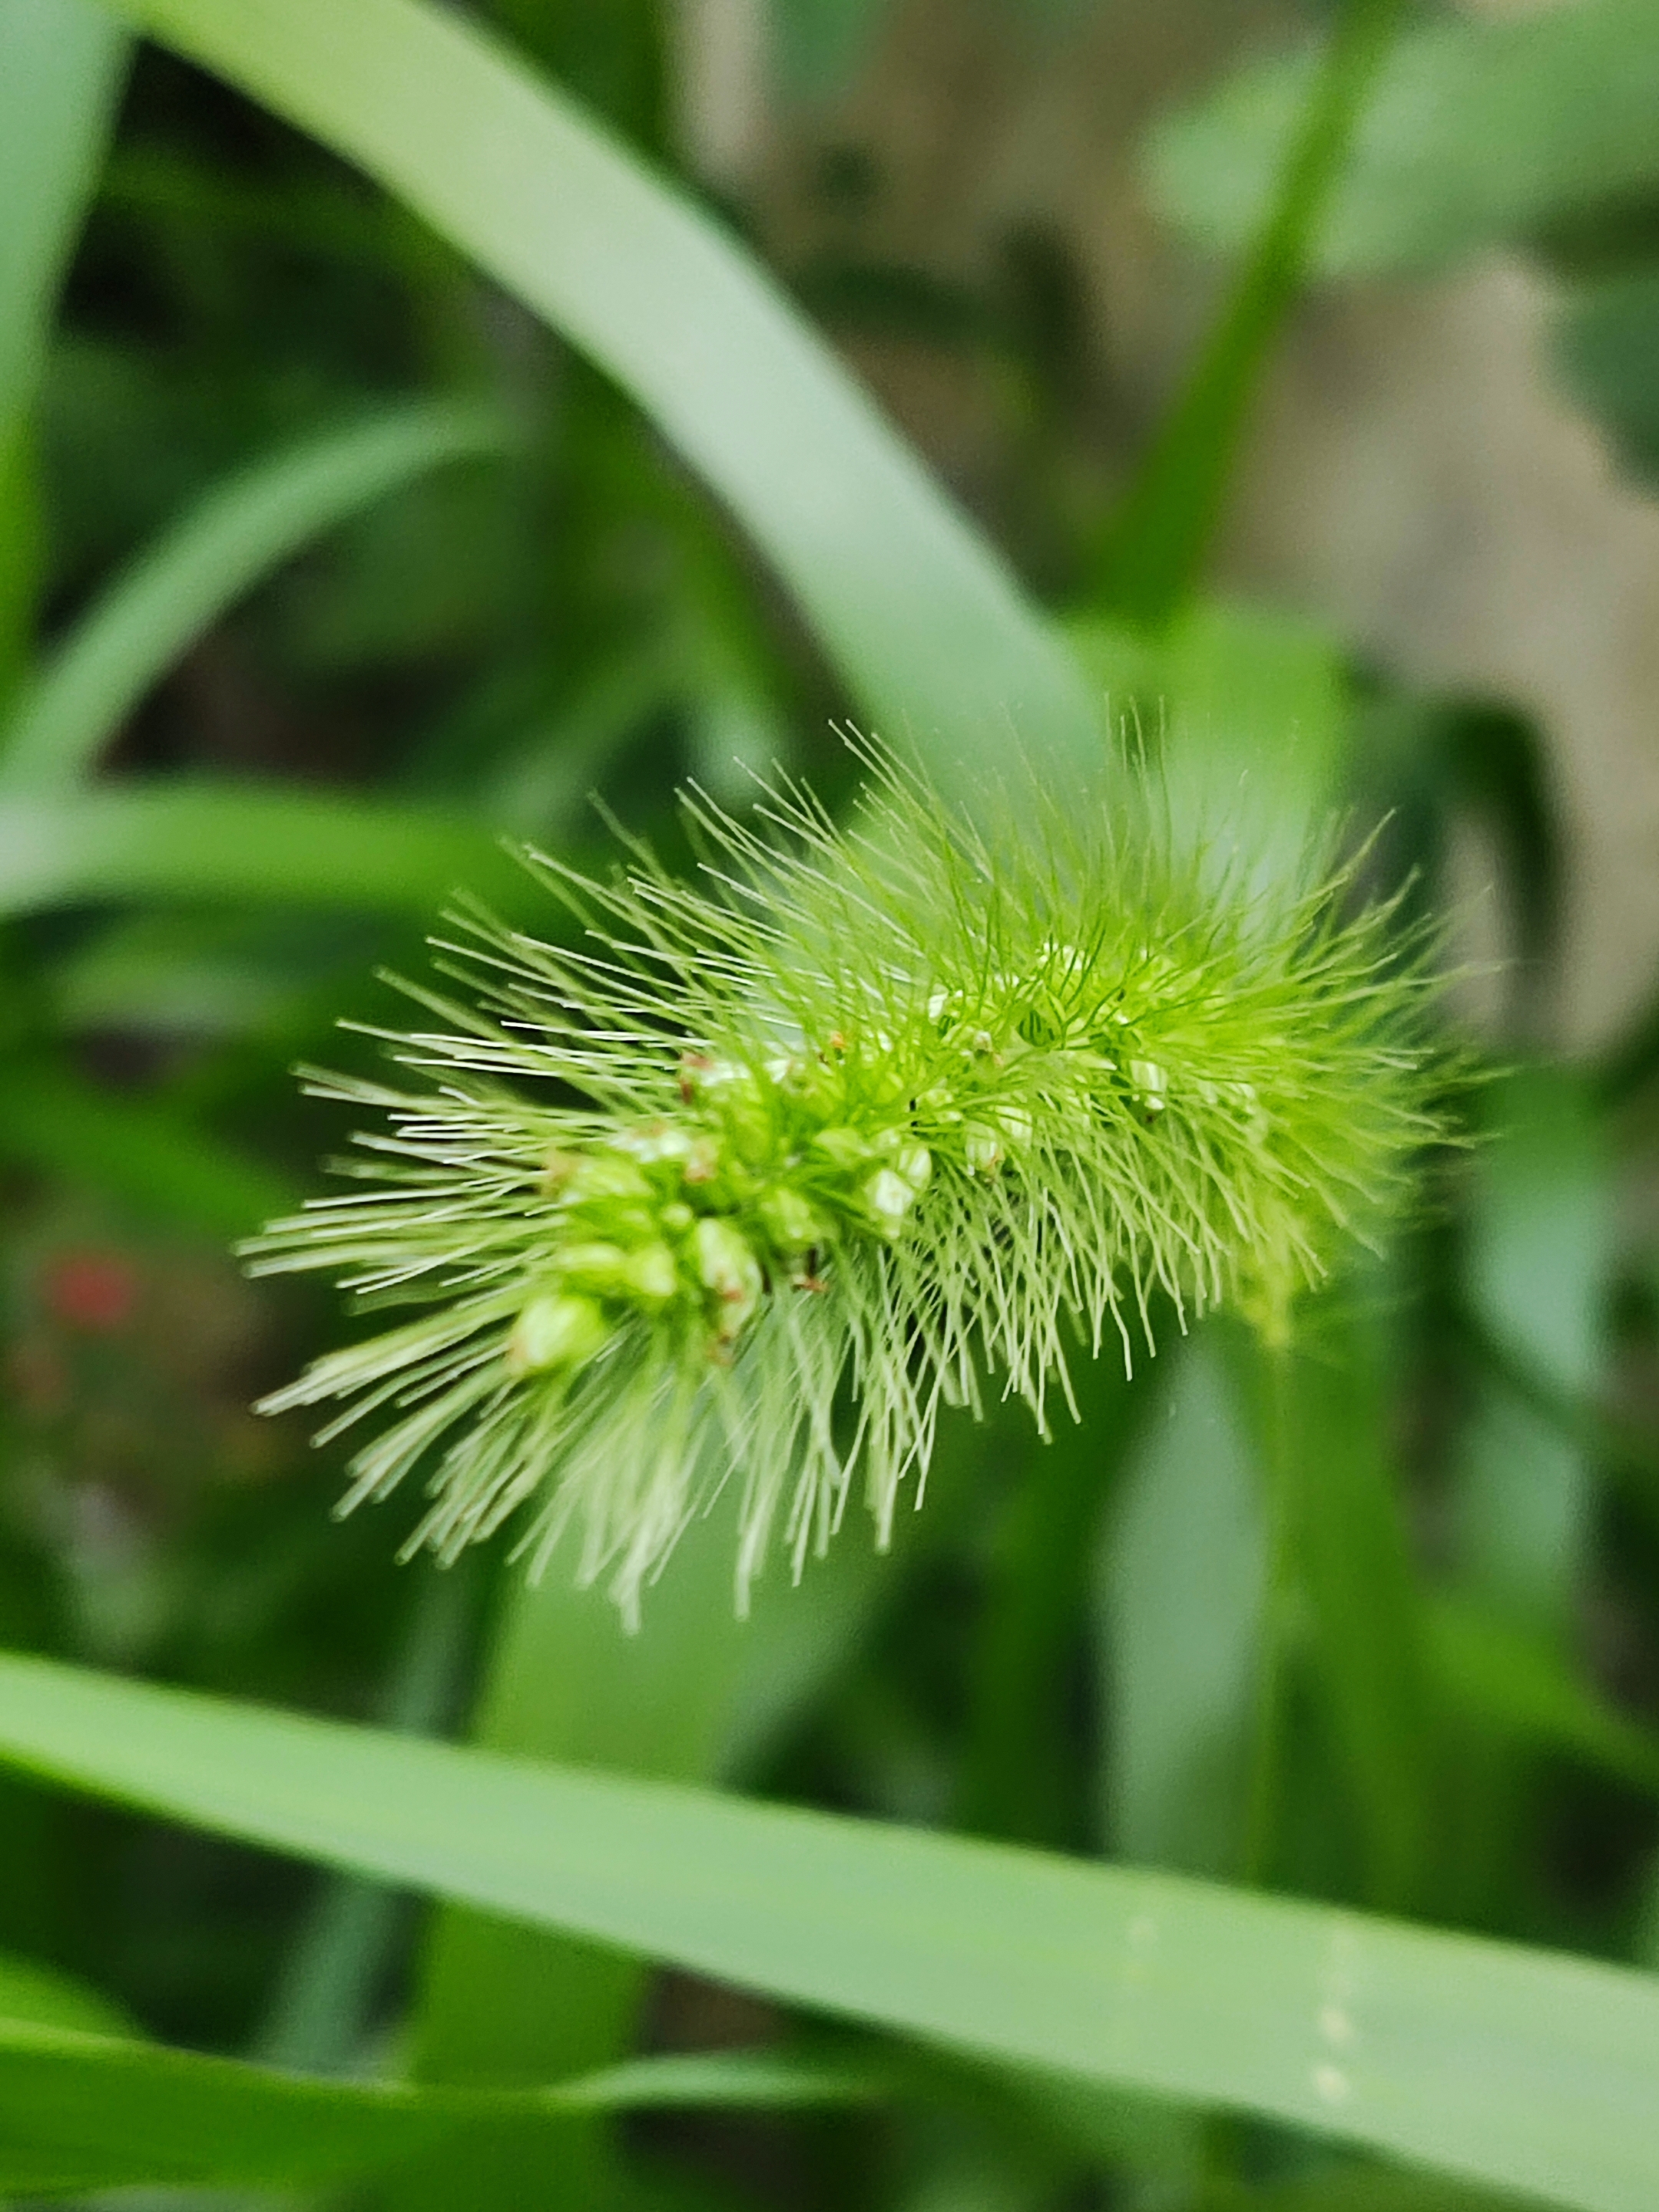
x: 214, y: 843
x: 155, y: 1162
x: 64, y: 63
x: 917, y: 613
x: 1522, y: 2069
x: 176, y: 589
x: 82, y: 2111
x: 1480, y: 127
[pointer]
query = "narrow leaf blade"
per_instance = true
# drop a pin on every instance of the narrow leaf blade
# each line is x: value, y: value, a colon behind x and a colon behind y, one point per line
x: 179, y: 587
x: 89, y: 2109
x: 1519, y: 2068
x: 213, y: 842
x: 917, y: 612
x: 1476, y: 128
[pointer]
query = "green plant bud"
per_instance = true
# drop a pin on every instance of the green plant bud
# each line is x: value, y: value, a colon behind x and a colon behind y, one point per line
x: 602, y: 1175
x: 888, y: 1199
x: 982, y: 1149
x: 792, y: 1224
x: 652, y: 1275
x: 911, y: 1162
x: 703, y: 1160
x: 1016, y: 1124
x: 727, y: 1266
x: 843, y: 1148
x: 650, y: 1141
x: 601, y: 1268
x: 1150, y: 1083
x: 555, y: 1332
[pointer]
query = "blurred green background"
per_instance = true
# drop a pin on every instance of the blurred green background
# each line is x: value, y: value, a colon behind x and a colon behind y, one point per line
x: 323, y: 567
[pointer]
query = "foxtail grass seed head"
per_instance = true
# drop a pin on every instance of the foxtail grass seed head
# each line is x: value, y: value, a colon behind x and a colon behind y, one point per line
x: 865, y: 1122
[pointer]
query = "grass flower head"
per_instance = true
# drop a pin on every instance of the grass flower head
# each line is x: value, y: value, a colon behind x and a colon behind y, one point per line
x: 776, y: 1163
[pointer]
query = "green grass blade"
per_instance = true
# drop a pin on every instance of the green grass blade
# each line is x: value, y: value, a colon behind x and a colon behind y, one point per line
x: 1161, y: 531
x: 321, y: 2012
x: 178, y: 588
x: 1352, y: 1591
x: 1543, y: 1248
x: 1514, y: 1683
x: 917, y: 614
x: 1522, y: 2069
x: 42, y: 1997
x: 213, y: 842
x: 1181, y: 1603
x: 148, y: 1158
x: 84, y: 2110
x: 1476, y: 130
x: 64, y: 62
x: 565, y: 1681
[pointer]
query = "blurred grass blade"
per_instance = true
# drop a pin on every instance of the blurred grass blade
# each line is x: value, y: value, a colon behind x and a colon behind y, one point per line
x: 213, y: 843
x: 1254, y: 716
x: 1475, y: 130
x: 1607, y: 341
x: 1353, y: 1594
x: 321, y: 2011
x: 1522, y: 2069
x: 922, y: 621
x: 496, y: 2003
x: 64, y: 64
x: 1541, y: 1252
x: 1516, y: 1685
x: 1258, y: 1572
x: 1257, y: 741
x: 148, y: 1159
x: 83, y: 2110
x: 179, y: 587
x: 61, y: 66
x: 43, y: 1997
x: 1180, y: 1601
x: 199, y: 972
x: 1020, y: 1777
x: 1163, y: 528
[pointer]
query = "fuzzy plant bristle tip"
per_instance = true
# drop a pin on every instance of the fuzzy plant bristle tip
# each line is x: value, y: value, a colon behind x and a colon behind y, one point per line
x: 766, y: 1167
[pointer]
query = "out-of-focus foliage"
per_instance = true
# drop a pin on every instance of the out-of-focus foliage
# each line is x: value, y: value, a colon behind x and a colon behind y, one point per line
x: 388, y: 461
x: 1476, y: 130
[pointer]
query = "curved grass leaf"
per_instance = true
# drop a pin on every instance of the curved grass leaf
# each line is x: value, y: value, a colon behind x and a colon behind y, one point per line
x: 1512, y: 1682
x: 1168, y: 516
x: 1476, y: 130
x: 211, y: 842
x: 1182, y: 1598
x: 84, y: 2110
x: 1542, y: 1245
x: 136, y: 1150
x: 917, y: 614
x: 1607, y: 342
x: 176, y: 589
x: 1522, y: 2069
x: 63, y: 65
x: 64, y: 60
x: 42, y: 1997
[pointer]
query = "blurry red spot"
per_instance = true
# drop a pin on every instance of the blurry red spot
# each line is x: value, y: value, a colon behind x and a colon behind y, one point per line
x: 91, y: 1290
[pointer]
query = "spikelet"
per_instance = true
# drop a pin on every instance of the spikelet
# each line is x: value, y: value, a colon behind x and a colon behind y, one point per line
x: 780, y: 1162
